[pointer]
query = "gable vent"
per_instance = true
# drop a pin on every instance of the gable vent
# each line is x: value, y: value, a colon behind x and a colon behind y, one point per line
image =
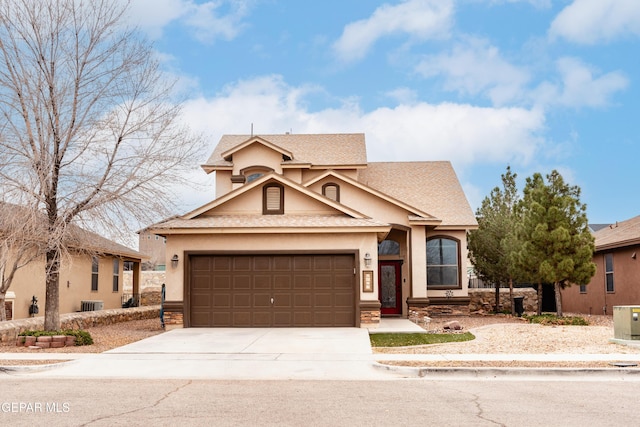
x: 273, y: 203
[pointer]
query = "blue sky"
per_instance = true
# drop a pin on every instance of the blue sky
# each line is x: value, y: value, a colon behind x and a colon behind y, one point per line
x: 534, y: 84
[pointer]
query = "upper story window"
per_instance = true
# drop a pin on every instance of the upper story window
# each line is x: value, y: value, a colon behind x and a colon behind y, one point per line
x: 273, y: 199
x: 254, y: 176
x: 443, y: 263
x: 608, y: 272
x: 331, y: 191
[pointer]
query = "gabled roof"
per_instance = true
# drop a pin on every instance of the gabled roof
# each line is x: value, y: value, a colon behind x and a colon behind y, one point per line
x: 321, y: 150
x: 415, y: 214
x: 262, y: 180
x: 76, y: 237
x: 431, y: 187
x: 620, y: 234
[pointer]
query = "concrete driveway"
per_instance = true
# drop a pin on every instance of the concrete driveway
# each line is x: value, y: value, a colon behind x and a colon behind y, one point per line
x: 234, y: 354
x: 322, y: 342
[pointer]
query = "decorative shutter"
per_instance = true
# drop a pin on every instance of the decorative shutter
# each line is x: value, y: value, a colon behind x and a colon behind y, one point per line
x: 331, y: 191
x: 273, y: 198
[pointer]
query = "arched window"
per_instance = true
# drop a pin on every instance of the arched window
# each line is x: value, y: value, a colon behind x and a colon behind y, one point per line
x: 331, y: 191
x: 273, y: 199
x: 443, y: 263
x: 254, y: 176
x: 388, y: 247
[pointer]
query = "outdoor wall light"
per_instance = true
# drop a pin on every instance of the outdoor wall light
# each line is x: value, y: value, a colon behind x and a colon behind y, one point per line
x: 174, y: 260
x: 367, y: 260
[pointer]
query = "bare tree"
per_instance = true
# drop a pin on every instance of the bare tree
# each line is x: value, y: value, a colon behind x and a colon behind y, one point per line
x: 18, y: 246
x: 90, y: 132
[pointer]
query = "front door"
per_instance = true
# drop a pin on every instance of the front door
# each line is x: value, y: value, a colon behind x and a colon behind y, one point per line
x: 390, y: 287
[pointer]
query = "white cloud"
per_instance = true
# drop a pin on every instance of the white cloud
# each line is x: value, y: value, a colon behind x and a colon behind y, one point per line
x: 474, y: 68
x: 461, y: 133
x: 593, y: 21
x: 580, y: 86
x: 421, y: 19
x: 206, y: 21
x: 540, y: 4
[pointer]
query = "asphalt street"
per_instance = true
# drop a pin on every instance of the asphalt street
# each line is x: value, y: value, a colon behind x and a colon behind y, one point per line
x: 74, y: 402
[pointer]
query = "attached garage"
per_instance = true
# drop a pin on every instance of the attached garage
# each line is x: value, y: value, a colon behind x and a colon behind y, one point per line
x: 271, y: 290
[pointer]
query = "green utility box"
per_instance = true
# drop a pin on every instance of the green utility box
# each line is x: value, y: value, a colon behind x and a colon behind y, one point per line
x: 626, y: 322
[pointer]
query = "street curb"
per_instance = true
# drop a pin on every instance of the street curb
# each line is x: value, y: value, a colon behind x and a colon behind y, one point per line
x: 9, y: 369
x: 492, y: 373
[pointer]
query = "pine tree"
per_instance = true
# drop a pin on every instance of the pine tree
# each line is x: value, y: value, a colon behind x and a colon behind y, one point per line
x: 555, y: 244
x: 490, y: 245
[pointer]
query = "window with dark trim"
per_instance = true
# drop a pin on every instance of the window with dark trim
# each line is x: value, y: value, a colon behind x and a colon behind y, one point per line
x: 583, y: 289
x: 273, y: 199
x: 331, y: 191
x: 443, y: 263
x: 608, y: 272
x: 116, y: 275
x: 95, y: 262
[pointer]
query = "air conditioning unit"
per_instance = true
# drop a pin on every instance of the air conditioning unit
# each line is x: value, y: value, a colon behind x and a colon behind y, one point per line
x: 626, y: 322
x: 91, y: 305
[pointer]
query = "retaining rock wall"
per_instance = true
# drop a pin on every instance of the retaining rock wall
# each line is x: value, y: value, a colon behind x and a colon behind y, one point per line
x: 484, y: 300
x: 10, y: 329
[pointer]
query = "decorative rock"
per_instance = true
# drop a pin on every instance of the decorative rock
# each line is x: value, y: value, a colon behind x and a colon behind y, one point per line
x: 44, y: 339
x: 454, y: 325
x: 57, y: 344
x: 43, y: 344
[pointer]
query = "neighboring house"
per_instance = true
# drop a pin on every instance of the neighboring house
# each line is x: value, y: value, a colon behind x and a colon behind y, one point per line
x: 83, y: 277
x: 304, y: 231
x: 616, y: 281
x: 153, y: 247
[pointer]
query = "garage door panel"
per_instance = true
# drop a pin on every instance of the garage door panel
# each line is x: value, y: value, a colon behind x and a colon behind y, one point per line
x: 342, y: 300
x: 262, y: 300
x: 242, y: 300
x: 261, y: 282
x: 307, y: 290
x: 282, y: 282
x: 221, y: 301
x: 282, y: 319
x: 201, y: 264
x: 302, y: 282
x: 323, y: 300
x: 261, y: 318
x: 242, y: 282
x: 221, y: 282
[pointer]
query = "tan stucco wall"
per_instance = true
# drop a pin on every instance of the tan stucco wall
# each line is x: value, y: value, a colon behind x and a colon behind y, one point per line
x: 75, y: 285
x: 257, y: 155
x: 362, y: 243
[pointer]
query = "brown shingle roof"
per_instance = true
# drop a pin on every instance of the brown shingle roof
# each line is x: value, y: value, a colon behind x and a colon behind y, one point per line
x: 76, y: 237
x: 432, y: 187
x: 267, y: 221
x: 316, y: 149
x: 621, y: 234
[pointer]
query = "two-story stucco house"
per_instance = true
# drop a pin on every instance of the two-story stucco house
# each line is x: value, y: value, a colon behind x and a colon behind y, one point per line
x: 304, y: 231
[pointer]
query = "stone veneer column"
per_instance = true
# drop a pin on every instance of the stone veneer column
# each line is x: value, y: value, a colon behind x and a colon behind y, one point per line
x: 173, y: 314
x: 369, y: 314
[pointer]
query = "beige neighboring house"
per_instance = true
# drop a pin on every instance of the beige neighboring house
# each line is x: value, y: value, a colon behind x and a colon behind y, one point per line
x: 304, y: 231
x: 153, y: 247
x: 95, y: 279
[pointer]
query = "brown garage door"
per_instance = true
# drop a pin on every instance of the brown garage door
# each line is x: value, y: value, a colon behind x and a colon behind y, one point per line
x: 272, y: 290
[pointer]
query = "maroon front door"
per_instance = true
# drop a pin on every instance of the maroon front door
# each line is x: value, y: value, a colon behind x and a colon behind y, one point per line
x: 390, y: 287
